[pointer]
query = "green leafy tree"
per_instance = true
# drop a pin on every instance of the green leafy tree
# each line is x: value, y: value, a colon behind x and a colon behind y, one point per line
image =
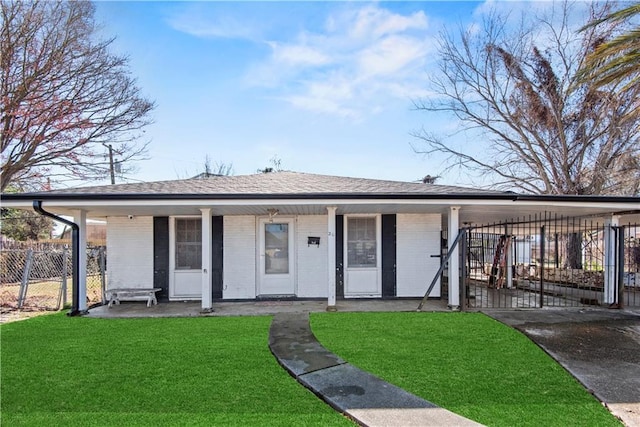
x: 616, y: 59
x: 24, y: 225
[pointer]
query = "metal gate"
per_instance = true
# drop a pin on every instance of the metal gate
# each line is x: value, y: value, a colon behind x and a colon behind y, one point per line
x: 546, y: 260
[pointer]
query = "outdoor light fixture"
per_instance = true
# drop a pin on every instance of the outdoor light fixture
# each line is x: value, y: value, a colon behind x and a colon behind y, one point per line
x: 272, y: 213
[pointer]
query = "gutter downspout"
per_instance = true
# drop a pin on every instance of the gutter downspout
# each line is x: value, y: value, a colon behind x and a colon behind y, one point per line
x: 75, y: 256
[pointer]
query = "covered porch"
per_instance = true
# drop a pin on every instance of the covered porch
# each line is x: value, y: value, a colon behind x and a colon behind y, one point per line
x: 259, y: 308
x: 454, y: 216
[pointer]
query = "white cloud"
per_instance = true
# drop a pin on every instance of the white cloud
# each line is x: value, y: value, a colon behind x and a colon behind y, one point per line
x: 364, y: 58
x: 390, y: 55
x: 354, y: 62
x: 199, y: 20
x: 321, y: 105
x: 374, y: 22
x: 333, y: 95
x: 298, y: 55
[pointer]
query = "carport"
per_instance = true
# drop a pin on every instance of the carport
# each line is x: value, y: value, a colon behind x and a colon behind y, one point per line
x: 550, y: 260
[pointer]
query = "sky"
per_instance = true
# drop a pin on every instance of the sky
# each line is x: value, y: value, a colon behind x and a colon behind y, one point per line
x: 324, y: 87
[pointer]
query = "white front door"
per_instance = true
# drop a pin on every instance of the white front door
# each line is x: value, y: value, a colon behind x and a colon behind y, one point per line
x: 276, y: 252
x: 185, y: 258
x: 363, y: 256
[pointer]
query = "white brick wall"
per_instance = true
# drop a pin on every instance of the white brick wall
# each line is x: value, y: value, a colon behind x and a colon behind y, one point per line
x: 417, y: 238
x: 312, y: 260
x: 239, y: 274
x: 240, y: 257
x: 130, y: 252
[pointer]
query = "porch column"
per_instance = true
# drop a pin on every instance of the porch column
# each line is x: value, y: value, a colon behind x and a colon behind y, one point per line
x: 454, y: 260
x: 610, y: 260
x: 80, y: 218
x: 509, y: 256
x: 331, y: 258
x: 207, y: 263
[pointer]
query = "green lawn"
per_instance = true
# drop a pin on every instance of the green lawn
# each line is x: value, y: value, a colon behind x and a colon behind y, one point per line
x: 218, y: 371
x: 122, y: 372
x: 465, y: 362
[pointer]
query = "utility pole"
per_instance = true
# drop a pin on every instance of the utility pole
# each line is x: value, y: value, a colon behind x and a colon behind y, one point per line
x: 111, y: 169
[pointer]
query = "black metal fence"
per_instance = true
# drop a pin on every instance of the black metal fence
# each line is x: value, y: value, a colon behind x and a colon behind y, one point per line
x: 546, y: 260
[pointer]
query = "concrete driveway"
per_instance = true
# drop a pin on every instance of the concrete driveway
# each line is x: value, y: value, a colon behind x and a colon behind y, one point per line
x: 600, y: 347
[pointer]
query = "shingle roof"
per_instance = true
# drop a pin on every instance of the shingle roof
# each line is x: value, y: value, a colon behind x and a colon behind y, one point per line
x: 274, y: 183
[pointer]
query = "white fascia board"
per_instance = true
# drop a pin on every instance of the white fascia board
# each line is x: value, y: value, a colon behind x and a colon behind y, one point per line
x: 17, y: 204
x: 70, y: 204
x: 577, y: 204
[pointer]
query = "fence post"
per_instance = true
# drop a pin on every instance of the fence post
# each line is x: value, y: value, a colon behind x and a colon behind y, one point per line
x: 65, y: 260
x: 102, y: 273
x: 620, y: 266
x: 25, y: 278
x: 509, y: 245
x: 543, y: 242
x: 464, y: 289
x: 610, y: 261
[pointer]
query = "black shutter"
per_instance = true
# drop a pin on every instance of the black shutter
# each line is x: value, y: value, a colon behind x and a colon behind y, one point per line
x: 388, y: 256
x: 340, y: 256
x: 161, y: 256
x: 217, y: 254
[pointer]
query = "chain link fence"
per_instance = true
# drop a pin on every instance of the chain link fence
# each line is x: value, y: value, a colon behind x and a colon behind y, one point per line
x: 38, y: 277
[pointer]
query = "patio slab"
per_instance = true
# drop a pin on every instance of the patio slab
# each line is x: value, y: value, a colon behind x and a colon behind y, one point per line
x: 259, y: 308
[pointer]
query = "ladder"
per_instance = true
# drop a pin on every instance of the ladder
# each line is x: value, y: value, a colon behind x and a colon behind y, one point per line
x: 498, y: 274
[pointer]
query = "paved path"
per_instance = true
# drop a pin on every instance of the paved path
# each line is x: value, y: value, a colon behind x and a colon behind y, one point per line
x: 365, y: 398
x: 600, y: 347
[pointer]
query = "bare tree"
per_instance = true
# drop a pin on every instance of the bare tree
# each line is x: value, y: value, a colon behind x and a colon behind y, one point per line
x: 64, y: 98
x: 538, y: 129
x: 218, y: 169
x: 208, y: 170
x: 276, y: 165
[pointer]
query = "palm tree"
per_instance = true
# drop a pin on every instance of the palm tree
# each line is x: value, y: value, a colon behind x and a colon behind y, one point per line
x: 616, y: 60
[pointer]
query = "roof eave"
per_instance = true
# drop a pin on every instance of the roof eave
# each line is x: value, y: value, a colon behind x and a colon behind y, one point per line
x: 255, y: 196
x: 311, y: 196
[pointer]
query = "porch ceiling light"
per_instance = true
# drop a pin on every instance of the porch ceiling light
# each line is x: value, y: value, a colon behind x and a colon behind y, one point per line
x: 272, y: 213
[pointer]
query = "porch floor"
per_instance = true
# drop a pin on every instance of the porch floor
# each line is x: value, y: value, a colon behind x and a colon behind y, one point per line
x: 258, y: 308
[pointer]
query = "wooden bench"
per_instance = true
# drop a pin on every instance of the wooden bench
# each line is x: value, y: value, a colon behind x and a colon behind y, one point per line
x: 132, y: 294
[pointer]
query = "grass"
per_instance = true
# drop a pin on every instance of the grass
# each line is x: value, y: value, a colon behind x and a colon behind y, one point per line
x: 465, y: 362
x: 115, y: 372
x: 218, y: 371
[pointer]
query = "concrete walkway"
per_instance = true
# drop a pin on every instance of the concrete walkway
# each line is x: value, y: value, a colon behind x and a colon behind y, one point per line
x: 363, y: 397
x: 600, y: 347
